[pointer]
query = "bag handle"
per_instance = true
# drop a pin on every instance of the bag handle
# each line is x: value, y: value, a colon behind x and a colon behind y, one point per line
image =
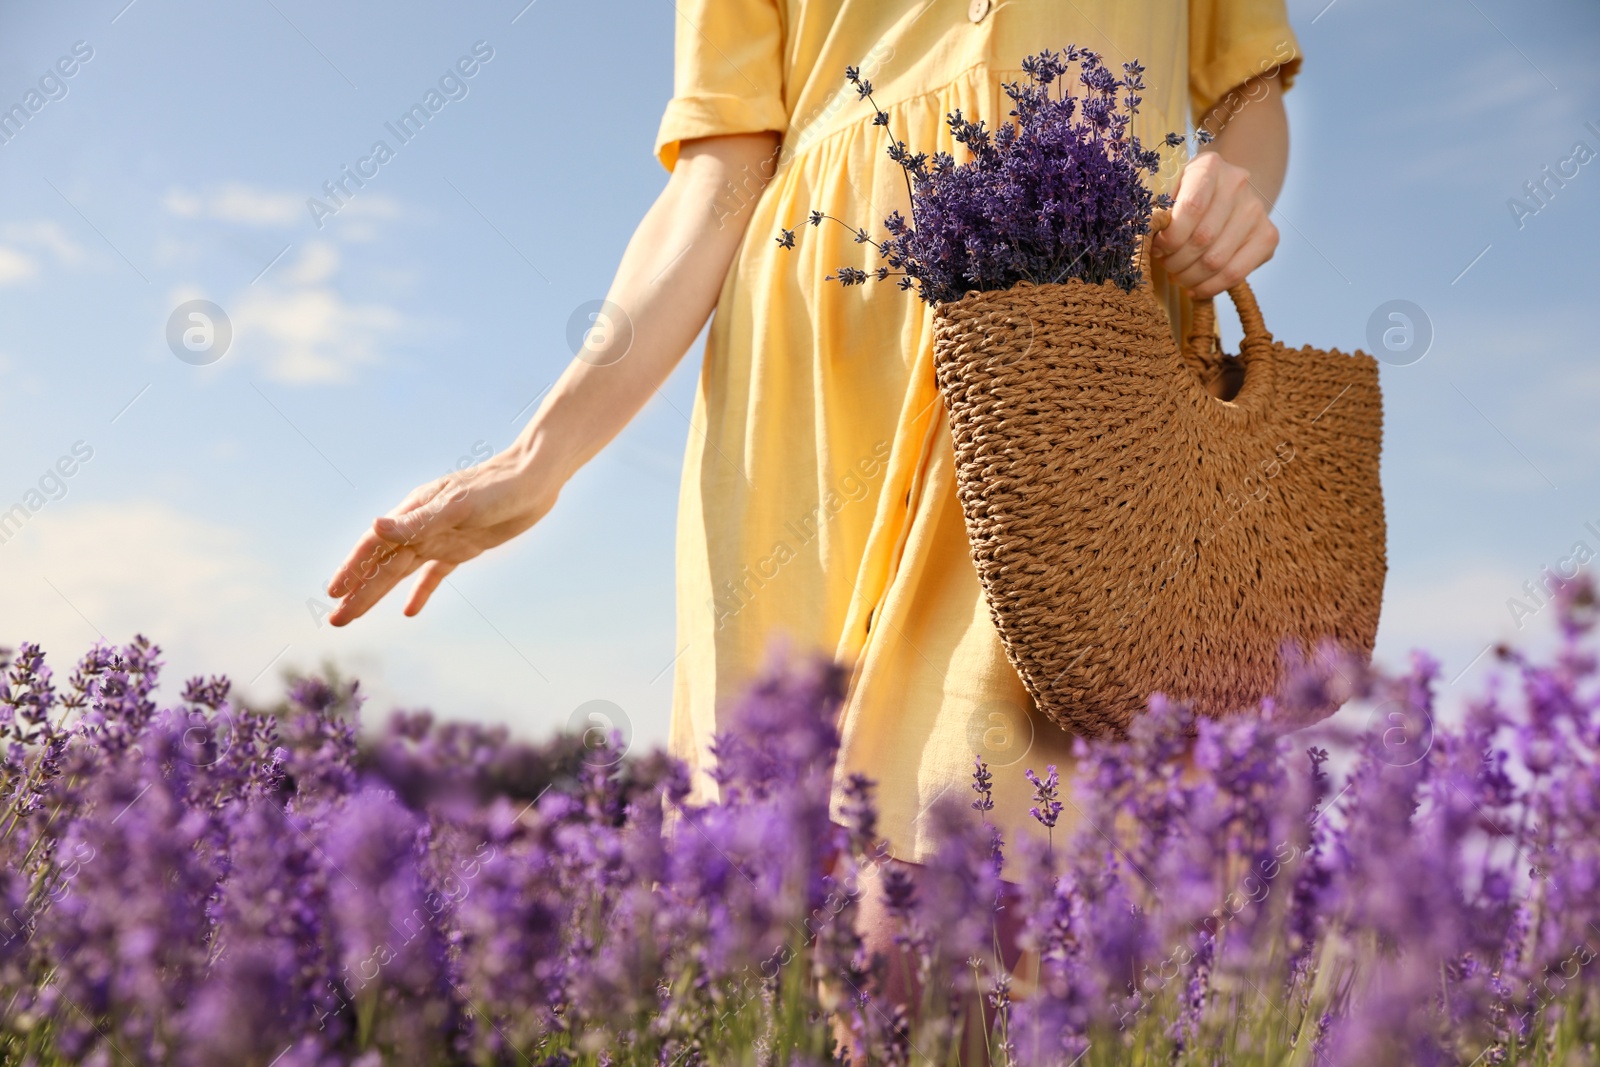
x: 1203, y: 320
x: 1256, y: 349
x: 1160, y: 219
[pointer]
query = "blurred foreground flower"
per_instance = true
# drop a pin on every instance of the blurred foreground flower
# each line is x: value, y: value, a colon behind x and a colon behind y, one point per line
x: 207, y: 883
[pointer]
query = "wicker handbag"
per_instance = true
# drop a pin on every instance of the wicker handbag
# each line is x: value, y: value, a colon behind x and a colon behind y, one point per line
x: 1145, y: 520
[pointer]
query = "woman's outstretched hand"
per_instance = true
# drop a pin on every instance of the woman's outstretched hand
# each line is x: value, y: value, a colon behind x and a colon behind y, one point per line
x: 437, y: 527
x: 1220, y: 230
x: 663, y: 292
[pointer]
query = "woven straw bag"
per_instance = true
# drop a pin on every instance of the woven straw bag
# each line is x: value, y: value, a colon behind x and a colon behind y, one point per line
x: 1134, y: 531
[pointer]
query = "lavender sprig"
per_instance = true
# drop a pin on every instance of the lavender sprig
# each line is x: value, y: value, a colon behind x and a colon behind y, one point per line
x: 1047, y: 807
x: 983, y: 785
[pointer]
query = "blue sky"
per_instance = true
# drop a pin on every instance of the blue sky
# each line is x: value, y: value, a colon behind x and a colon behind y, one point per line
x: 416, y: 324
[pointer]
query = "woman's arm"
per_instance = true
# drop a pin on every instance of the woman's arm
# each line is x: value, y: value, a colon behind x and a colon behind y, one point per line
x: 1220, y: 231
x: 666, y: 287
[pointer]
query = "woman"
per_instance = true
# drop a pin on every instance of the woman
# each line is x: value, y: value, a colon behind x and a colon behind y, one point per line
x: 818, y: 493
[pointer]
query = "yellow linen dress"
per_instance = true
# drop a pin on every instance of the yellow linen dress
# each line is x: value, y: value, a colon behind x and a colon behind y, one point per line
x: 818, y: 498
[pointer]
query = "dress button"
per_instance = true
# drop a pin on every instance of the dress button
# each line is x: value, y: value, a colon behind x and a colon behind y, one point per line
x: 977, y: 9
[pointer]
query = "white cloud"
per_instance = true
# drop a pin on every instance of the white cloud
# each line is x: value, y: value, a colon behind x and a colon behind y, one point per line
x: 303, y: 328
x: 1456, y: 616
x: 237, y: 202
x: 253, y: 206
x: 175, y: 254
x: 77, y: 570
x: 48, y: 236
x: 1466, y: 604
x: 313, y: 335
x: 217, y: 603
x: 184, y: 204
x: 371, y: 206
x: 316, y: 264
x: 202, y: 591
x: 15, y: 266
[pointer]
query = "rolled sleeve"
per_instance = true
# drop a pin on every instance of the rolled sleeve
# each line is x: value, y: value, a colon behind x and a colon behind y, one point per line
x: 1232, y: 41
x: 728, y: 73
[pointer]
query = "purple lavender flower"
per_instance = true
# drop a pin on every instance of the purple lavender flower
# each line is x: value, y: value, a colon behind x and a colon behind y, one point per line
x: 1058, y: 194
x: 391, y: 953
x: 128, y: 933
x: 983, y: 785
x: 204, y: 883
x: 1047, y: 807
x: 271, y: 974
x: 861, y: 817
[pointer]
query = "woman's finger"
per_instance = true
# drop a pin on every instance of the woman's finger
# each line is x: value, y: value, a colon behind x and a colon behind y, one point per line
x: 1195, y: 193
x: 375, y: 585
x: 375, y: 542
x: 1263, y: 242
x: 1204, y: 231
x: 434, y: 505
x: 362, y: 558
x: 1246, y: 218
x: 432, y: 575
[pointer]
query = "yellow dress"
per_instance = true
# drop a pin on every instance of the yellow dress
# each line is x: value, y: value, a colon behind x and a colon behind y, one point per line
x: 818, y: 501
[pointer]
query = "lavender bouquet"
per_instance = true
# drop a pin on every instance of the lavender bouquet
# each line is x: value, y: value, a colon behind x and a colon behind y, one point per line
x: 1057, y: 194
x: 201, y: 882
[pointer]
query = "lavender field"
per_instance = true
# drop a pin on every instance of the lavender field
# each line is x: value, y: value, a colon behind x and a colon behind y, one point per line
x: 206, y: 883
